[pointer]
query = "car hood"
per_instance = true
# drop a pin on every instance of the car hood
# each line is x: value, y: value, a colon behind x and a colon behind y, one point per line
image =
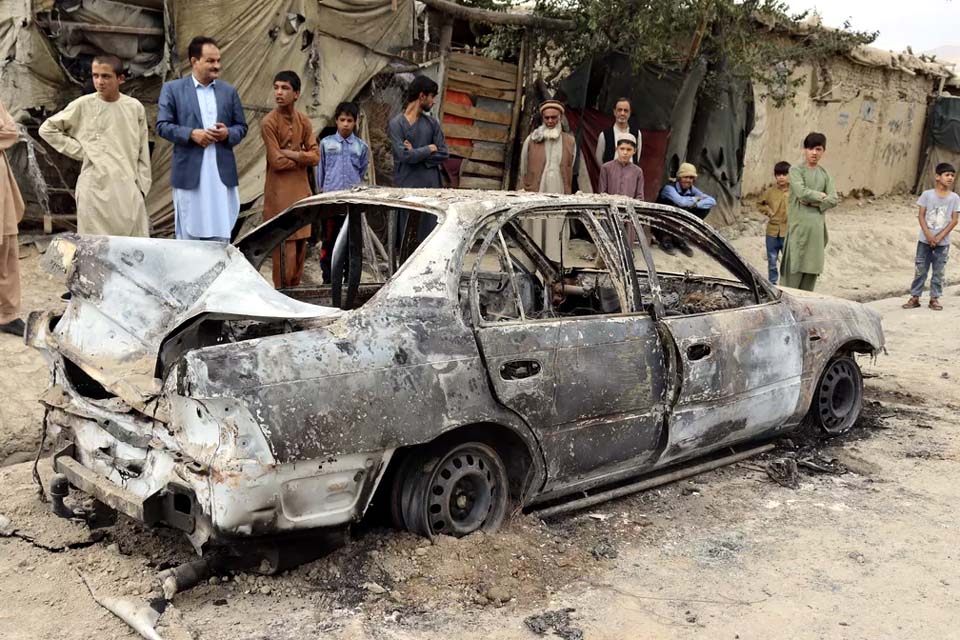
x: 129, y: 294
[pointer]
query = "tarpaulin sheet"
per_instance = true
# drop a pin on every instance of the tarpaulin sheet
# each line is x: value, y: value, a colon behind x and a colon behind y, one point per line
x: 708, y: 132
x: 936, y: 155
x: 945, y: 123
x: 372, y: 23
x: 718, y: 143
x: 141, y: 53
x: 652, y: 91
x: 259, y: 38
x: 29, y: 73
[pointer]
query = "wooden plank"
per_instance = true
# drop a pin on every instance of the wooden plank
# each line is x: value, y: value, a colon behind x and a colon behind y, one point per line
x: 470, y: 182
x: 488, y: 155
x: 480, y: 169
x: 481, y: 61
x: 474, y: 133
x: 472, y: 89
x: 480, y: 81
x: 476, y: 113
x: 495, y: 75
x: 477, y: 66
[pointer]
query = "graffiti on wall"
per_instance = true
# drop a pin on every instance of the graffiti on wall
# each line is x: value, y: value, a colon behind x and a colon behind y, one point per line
x: 894, y: 152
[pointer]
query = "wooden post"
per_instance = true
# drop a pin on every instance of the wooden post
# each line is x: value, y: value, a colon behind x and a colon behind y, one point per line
x: 446, y: 43
x: 515, y: 117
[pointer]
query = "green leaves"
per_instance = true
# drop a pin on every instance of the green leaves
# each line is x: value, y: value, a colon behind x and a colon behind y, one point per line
x: 745, y: 39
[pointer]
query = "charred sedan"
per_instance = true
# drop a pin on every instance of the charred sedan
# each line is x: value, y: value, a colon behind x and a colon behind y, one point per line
x: 476, y: 351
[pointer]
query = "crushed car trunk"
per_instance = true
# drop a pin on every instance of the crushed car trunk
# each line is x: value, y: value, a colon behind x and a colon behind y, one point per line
x: 130, y: 294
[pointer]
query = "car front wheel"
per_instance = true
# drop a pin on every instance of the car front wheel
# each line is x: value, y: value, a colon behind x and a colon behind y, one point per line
x: 452, y: 490
x: 839, y: 397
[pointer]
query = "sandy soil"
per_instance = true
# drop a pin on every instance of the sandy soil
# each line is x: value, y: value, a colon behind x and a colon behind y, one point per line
x: 870, y: 553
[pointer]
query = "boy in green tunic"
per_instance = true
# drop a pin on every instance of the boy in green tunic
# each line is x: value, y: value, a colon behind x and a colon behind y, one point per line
x: 811, y: 193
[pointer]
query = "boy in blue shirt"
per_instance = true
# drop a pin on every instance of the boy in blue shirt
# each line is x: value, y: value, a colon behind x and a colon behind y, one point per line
x: 343, y: 164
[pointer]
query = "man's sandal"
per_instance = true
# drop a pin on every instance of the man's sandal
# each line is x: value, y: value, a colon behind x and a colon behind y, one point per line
x: 935, y: 304
x: 912, y: 303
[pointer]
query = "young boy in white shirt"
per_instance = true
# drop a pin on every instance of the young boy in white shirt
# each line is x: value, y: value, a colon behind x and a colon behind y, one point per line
x: 939, y: 209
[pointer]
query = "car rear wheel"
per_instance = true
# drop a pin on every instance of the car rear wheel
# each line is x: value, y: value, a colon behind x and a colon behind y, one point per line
x: 451, y: 490
x: 839, y: 397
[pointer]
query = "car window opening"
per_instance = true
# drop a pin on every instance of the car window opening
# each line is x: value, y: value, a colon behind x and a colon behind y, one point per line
x: 713, y: 279
x: 551, y: 265
x: 540, y: 266
x: 352, y: 251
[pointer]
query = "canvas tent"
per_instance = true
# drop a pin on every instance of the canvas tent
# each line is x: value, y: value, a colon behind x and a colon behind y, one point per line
x: 680, y: 123
x: 942, y: 142
x: 336, y: 46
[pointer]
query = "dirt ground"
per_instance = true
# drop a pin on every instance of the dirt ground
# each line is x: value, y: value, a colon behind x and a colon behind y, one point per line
x: 870, y: 553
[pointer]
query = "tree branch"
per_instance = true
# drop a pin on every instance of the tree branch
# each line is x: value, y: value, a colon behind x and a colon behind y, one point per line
x: 499, y: 17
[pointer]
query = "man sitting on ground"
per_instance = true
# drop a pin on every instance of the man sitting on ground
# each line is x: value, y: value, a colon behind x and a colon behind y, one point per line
x: 683, y: 195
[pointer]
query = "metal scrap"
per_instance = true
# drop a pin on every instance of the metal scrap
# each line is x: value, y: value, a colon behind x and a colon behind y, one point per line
x: 557, y: 621
x: 783, y: 471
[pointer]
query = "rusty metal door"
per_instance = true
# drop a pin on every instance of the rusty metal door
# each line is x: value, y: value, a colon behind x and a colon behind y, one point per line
x: 739, y: 375
x: 609, y: 389
x: 734, y: 373
x: 521, y: 366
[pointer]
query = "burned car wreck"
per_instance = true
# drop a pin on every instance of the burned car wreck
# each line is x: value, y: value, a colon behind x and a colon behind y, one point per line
x: 525, y: 348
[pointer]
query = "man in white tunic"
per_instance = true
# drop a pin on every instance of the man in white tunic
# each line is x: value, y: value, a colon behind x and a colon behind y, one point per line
x: 547, y: 162
x: 107, y: 132
x: 203, y: 117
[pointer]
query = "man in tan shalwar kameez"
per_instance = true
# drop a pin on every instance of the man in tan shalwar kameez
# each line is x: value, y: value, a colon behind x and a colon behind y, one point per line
x: 547, y: 162
x: 11, y: 212
x: 108, y: 132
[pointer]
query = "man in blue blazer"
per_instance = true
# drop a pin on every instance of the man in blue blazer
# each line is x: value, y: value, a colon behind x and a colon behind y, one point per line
x: 202, y: 116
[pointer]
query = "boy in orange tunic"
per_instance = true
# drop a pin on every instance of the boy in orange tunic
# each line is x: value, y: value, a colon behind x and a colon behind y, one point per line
x: 291, y: 150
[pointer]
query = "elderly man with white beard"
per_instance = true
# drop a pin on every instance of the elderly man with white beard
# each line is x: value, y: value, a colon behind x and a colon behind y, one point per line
x: 547, y: 164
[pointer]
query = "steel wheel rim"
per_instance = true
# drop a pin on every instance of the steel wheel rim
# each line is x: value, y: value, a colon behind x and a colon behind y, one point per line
x: 462, y: 493
x: 839, y: 396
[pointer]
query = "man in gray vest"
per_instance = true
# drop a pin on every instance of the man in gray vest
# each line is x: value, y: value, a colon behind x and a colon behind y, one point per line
x: 608, y: 140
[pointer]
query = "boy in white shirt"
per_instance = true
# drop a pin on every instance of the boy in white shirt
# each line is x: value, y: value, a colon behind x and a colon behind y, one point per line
x: 939, y: 209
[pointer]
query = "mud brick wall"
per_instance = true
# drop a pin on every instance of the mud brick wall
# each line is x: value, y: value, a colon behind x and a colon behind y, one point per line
x: 873, y: 118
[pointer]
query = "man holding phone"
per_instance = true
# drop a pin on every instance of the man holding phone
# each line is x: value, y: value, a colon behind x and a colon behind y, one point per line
x: 202, y: 116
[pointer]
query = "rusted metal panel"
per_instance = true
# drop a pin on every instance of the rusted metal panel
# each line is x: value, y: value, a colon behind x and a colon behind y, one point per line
x: 102, y: 489
x: 741, y: 375
x: 609, y: 396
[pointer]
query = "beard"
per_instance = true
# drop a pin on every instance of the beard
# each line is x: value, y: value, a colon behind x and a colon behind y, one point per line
x: 551, y: 133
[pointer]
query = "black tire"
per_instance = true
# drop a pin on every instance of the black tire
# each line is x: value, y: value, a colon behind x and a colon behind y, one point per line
x: 451, y: 490
x: 839, y: 397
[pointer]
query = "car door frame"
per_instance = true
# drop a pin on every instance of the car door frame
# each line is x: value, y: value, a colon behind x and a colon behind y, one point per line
x: 564, y: 436
x: 697, y: 428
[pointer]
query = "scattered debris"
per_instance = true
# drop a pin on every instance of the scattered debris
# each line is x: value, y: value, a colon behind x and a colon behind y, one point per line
x: 374, y: 588
x: 783, y: 471
x: 721, y: 550
x: 139, y: 616
x: 925, y: 454
x: 557, y: 621
x: 821, y: 464
x: 604, y: 549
